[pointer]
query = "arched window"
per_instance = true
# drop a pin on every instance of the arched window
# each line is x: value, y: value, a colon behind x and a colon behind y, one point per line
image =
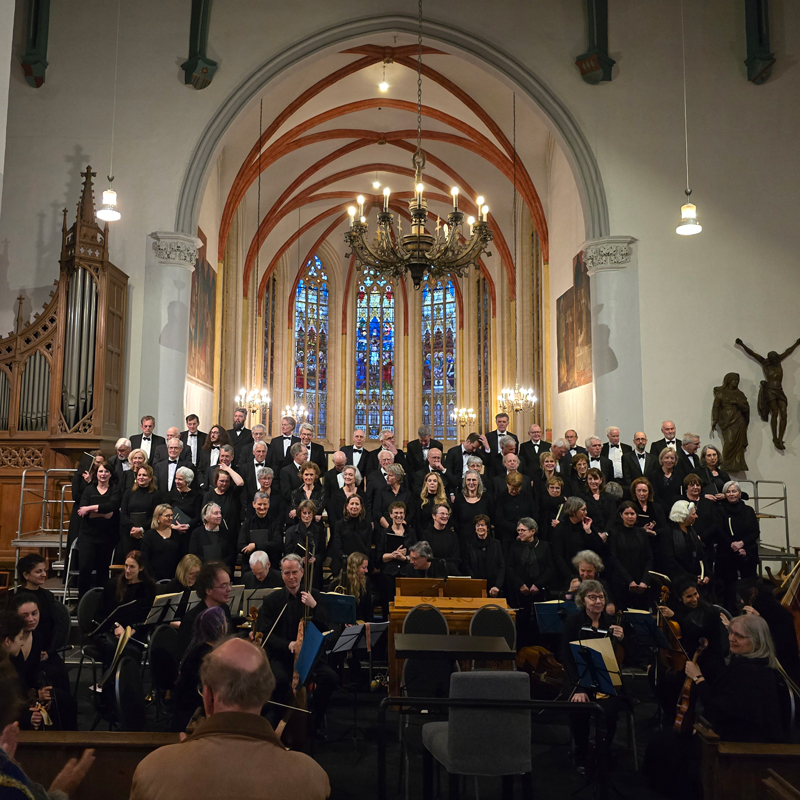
x: 439, y: 357
x: 484, y: 355
x: 374, y: 399
x: 311, y: 345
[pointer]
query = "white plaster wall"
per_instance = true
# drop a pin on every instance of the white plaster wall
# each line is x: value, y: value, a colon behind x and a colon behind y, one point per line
x: 696, y: 295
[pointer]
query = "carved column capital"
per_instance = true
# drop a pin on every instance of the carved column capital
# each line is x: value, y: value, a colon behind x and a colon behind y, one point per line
x: 175, y: 249
x: 608, y: 253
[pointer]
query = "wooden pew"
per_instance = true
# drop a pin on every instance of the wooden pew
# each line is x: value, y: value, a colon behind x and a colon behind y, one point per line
x: 42, y: 755
x: 736, y: 770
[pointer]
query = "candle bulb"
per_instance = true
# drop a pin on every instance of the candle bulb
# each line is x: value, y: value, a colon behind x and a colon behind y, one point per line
x: 420, y: 188
x: 386, y: 193
x: 470, y: 222
x: 454, y: 192
x: 352, y: 212
x: 360, y: 200
x: 479, y: 203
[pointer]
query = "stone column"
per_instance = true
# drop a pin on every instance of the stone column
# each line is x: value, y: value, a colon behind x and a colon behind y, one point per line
x: 6, y: 33
x: 611, y: 262
x: 170, y: 260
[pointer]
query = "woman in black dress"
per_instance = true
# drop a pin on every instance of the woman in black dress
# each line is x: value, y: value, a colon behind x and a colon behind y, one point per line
x: 580, y: 468
x: 186, y: 502
x: 667, y: 480
x: 650, y: 515
x: 352, y: 534
x: 162, y: 545
x: 351, y: 483
x: 600, y: 505
x: 311, y: 489
x: 443, y: 539
x: 431, y: 495
x: 80, y: 480
x: 531, y: 575
x: 354, y: 580
x: 483, y: 557
x: 470, y: 502
x: 632, y: 557
x: 681, y: 554
x: 185, y: 576
x: 136, y: 458
x: 575, y: 532
x: 395, y: 491
x: 277, y: 507
x: 31, y: 576
x: 307, y: 538
x: 210, y: 541
x: 226, y: 490
x: 210, y: 628
x: 391, y: 553
x: 509, y: 507
x: 551, y: 507
x: 737, y: 548
x: 141, y: 501
x: 99, y: 533
x: 260, y: 532
x: 714, y: 477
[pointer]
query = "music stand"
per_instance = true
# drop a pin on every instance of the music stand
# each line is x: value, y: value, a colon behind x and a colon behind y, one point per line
x: 550, y: 615
x: 164, y: 609
x: 235, y: 601
x: 593, y: 671
x: 646, y: 630
x: 341, y: 608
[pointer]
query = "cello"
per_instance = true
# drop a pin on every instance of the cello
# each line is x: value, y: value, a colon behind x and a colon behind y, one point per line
x: 684, y: 714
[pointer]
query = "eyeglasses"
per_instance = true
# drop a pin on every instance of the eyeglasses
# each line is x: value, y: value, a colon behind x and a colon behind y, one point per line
x: 737, y: 636
x: 595, y: 598
x: 226, y: 585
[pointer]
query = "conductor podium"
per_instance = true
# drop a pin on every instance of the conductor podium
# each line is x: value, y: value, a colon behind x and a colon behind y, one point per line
x: 457, y: 599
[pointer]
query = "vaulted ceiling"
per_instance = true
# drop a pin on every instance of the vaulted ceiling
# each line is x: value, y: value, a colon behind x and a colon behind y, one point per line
x: 329, y: 132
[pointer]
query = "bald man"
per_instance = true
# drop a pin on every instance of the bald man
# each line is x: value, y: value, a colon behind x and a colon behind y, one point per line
x: 234, y: 747
x: 638, y: 463
x: 668, y: 431
x: 161, y: 451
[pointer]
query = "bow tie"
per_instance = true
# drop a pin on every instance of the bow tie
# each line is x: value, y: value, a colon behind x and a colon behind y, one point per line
x: 670, y: 442
x: 642, y: 455
x: 215, y: 447
x: 145, y: 438
x: 259, y: 463
x: 172, y: 462
x: 287, y: 438
x: 357, y: 449
x: 193, y: 435
x: 122, y: 460
x: 615, y: 445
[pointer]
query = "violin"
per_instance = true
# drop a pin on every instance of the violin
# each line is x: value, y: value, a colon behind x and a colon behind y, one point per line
x: 674, y: 659
x: 684, y: 715
x: 545, y: 671
x: 253, y: 617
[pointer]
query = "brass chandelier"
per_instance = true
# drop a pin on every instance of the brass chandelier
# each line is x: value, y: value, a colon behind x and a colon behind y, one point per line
x: 419, y: 253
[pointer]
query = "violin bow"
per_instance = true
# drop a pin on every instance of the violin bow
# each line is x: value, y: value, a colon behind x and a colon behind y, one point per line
x: 274, y: 625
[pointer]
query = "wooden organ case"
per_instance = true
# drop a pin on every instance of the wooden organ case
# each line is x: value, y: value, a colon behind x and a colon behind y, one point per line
x: 61, y: 374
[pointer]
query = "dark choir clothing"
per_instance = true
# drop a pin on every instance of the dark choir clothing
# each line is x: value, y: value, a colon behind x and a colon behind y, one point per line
x: 632, y: 466
x: 162, y: 454
x: 277, y: 513
x: 155, y: 441
x: 569, y: 538
x: 743, y: 702
x: 689, y: 464
x: 230, y: 504
x: 548, y: 511
x: 652, y: 512
x: 249, y: 472
x: 97, y: 538
x: 464, y: 514
x: 387, y: 541
x: 330, y: 483
x: 162, y: 468
x: 666, y: 490
x: 605, y: 465
x: 681, y: 555
x: 283, y: 632
x: 781, y: 626
x: 707, y: 524
x: 162, y: 555
x: 214, y: 545
x: 376, y: 482
x: 632, y: 559
x: 712, y: 484
x: 240, y: 439
x: 200, y: 438
x: 451, y: 480
x: 483, y: 559
x: 272, y: 580
x: 190, y: 504
x: 338, y: 502
x: 290, y: 480
x: 497, y: 485
x: 531, y: 564
x: 416, y: 455
x: 384, y: 497
x: 698, y: 623
x: 445, y: 547
x: 493, y: 437
x: 189, y: 621
x: 185, y: 698
x: 140, y: 501
x: 298, y: 537
x: 349, y: 536
x: 737, y: 522
x: 575, y: 486
x: 265, y: 535
x: 78, y: 486
x: 46, y: 601
x: 173, y: 587
x: 317, y: 497
x: 278, y: 453
x: 423, y: 512
x: 529, y: 456
x: 603, y: 511
x: 204, y: 465
x: 142, y: 595
x: 119, y: 475
x: 508, y: 510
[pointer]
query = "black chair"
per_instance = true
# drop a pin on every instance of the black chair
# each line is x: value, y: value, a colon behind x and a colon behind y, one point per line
x: 63, y: 625
x: 163, y: 655
x: 492, y: 620
x: 87, y: 614
x: 129, y: 702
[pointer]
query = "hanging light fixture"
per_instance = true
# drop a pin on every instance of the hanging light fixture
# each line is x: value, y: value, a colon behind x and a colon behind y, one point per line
x: 108, y: 211
x: 516, y: 399
x: 297, y: 412
x: 256, y: 401
x: 418, y: 253
x: 383, y: 86
x: 689, y: 225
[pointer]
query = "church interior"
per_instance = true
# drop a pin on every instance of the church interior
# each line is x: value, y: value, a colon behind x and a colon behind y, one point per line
x: 192, y: 232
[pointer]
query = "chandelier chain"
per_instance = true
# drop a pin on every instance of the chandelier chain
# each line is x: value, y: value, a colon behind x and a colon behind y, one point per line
x: 685, y: 113
x: 419, y: 81
x: 114, y: 104
x: 258, y: 243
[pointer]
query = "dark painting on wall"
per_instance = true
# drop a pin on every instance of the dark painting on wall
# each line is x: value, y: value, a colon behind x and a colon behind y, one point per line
x: 574, y: 330
x: 202, y: 314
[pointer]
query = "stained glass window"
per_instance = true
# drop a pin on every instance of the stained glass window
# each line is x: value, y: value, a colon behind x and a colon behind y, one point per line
x: 311, y: 345
x: 374, y: 401
x: 268, y: 374
x: 439, y: 358
x: 484, y: 360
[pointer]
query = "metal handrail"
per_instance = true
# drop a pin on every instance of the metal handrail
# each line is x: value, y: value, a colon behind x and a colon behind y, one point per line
x: 565, y: 706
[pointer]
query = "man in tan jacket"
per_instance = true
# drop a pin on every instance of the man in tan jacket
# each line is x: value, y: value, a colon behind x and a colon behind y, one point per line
x: 234, y: 752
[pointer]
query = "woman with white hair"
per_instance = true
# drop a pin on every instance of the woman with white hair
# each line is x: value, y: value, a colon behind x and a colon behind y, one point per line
x: 681, y: 552
x: 737, y: 548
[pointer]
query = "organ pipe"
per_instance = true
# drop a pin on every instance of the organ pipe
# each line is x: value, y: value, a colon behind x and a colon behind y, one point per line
x: 5, y: 400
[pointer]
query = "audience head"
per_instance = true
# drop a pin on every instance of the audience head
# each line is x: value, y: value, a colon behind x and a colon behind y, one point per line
x: 188, y: 569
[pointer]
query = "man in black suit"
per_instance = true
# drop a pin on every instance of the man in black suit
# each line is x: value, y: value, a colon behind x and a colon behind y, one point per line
x: 510, y: 464
x: 249, y: 469
x: 417, y: 449
x: 118, y: 463
x: 238, y: 434
x: 560, y: 450
x: 356, y: 453
x: 278, y: 455
x: 456, y: 460
x: 332, y: 477
x: 638, y: 463
x: 259, y: 434
x: 290, y: 474
x: 613, y: 450
x: 494, y: 462
x: 530, y: 451
x: 451, y: 480
x: 573, y: 448
x: 193, y: 437
x: 147, y: 440
x: 386, y: 439
x: 491, y: 439
x: 316, y: 452
x: 376, y: 479
x: 161, y: 450
x: 688, y: 457
x: 164, y: 470
x: 669, y: 440
x: 594, y: 444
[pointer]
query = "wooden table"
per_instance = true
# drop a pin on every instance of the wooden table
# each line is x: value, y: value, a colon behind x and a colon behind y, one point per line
x: 442, y: 646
